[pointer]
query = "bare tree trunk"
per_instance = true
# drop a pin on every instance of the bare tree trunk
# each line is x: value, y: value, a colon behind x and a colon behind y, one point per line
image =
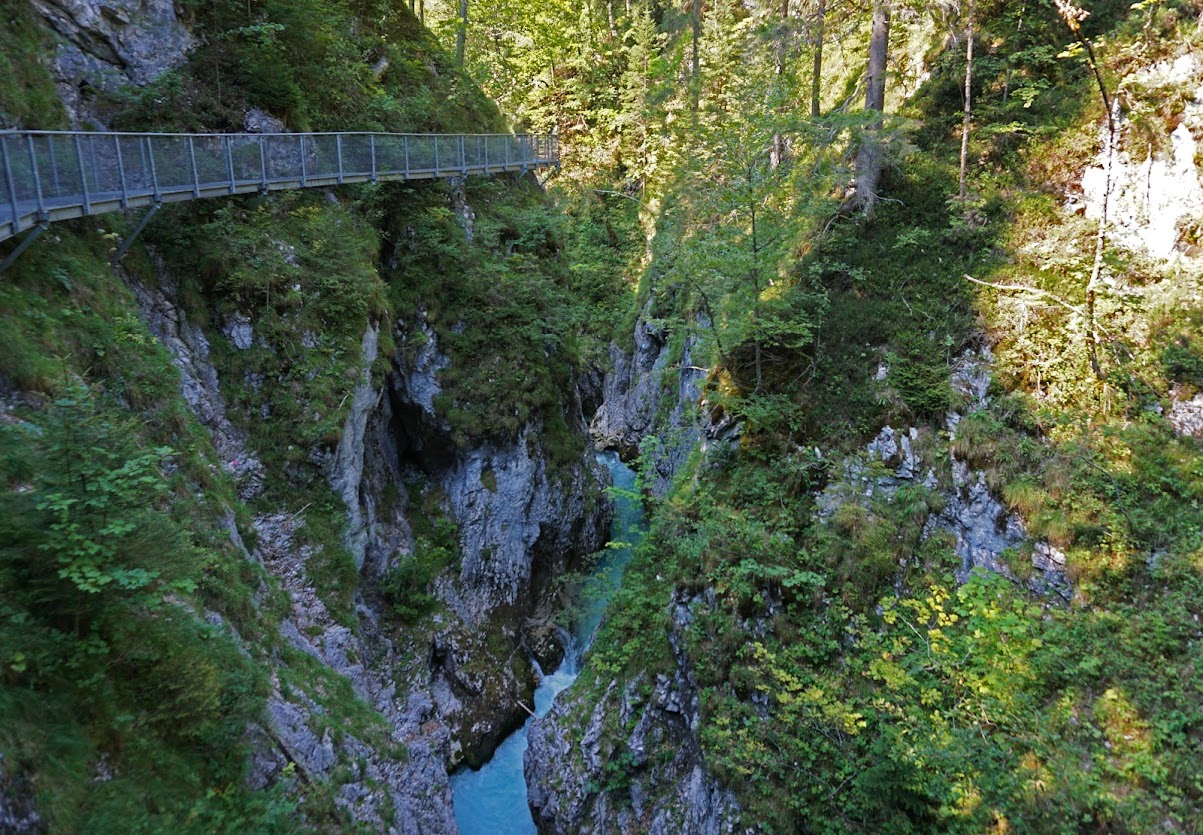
x: 1073, y: 17
x: 461, y: 34
x: 1100, y: 246
x: 879, y: 44
x: 816, y: 76
x: 777, y: 150
x: 870, y: 155
x: 968, y: 102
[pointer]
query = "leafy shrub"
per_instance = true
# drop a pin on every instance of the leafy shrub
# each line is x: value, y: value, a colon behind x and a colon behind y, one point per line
x: 406, y: 587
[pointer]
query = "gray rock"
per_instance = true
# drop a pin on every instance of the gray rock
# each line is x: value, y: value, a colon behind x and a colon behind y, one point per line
x: 636, y: 405
x: 239, y: 331
x: 519, y: 521
x: 107, y: 44
x: 970, y: 379
x: 986, y: 535
x: 345, y: 469
x: 257, y: 121
x: 1186, y: 416
x: 189, y: 349
x: 565, y: 781
x: 18, y: 812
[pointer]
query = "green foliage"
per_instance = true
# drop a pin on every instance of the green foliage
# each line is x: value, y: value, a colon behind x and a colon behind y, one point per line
x: 103, y: 655
x: 1182, y: 360
x: 503, y: 307
x: 27, y: 98
x: 316, y: 64
x: 846, y: 684
x: 406, y: 586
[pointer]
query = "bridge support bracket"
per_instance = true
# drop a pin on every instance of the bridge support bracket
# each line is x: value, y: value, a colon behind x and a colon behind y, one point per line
x: 24, y: 245
x: 128, y: 242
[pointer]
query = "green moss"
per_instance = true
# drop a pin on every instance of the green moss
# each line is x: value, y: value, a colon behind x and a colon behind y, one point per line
x: 27, y: 97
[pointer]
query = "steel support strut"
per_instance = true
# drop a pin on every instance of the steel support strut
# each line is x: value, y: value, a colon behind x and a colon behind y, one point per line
x: 128, y: 242
x: 24, y: 245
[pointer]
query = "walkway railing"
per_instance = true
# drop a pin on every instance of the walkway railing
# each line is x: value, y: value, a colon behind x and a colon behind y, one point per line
x: 56, y: 175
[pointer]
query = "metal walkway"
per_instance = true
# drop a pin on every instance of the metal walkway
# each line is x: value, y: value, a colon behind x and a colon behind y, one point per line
x: 56, y: 175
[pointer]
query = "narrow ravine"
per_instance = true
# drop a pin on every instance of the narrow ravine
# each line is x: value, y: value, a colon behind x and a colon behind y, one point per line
x: 493, y: 799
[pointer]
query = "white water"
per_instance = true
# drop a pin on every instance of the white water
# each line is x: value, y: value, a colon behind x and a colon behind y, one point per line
x: 493, y: 799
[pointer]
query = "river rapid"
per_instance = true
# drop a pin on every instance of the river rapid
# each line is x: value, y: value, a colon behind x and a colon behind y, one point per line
x: 493, y: 799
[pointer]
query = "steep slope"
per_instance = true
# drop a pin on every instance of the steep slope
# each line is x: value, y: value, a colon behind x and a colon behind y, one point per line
x: 334, y: 457
x: 947, y: 576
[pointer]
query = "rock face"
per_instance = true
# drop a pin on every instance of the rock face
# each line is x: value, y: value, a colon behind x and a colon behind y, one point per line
x: 649, y: 406
x: 570, y: 788
x: 17, y: 812
x: 411, y: 789
x: 445, y: 694
x: 986, y: 534
x: 189, y: 349
x: 110, y: 43
x: 520, y: 521
x: 1157, y: 200
x: 346, y: 467
x: 644, y: 397
x: 399, y: 772
x: 1186, y: 416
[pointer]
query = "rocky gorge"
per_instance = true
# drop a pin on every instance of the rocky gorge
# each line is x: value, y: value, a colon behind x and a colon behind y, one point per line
x: 708, y: 481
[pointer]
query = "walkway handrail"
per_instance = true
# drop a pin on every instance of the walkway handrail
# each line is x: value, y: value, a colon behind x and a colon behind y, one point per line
x: 56, y: 175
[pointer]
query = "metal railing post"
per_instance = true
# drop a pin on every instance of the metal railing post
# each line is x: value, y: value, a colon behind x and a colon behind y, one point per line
x: 463, y: 157
x: 304, y: 180
x: 83, y: 175
x: 372, y: 147
x: 195, y: 172
x: 405, y: 147
x: 95, y: 165
x: 53, y: 166
x: 142, y: 155
x: 11, y: 181
x: 262, y: 164
x: 228, y: 143
x: 436, y: 155
x: 507, y: 153
x: 154, y: 172
x: 338, y: 149
x: 486, y: 155
x: 37, y: 179
x: 121, y: 173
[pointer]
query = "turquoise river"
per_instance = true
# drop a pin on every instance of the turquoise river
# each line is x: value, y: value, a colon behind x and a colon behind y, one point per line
x: 493, y: 799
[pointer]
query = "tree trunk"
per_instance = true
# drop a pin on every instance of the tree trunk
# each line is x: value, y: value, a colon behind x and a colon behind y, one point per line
x: 461, y: 34
x: 777, y: 150
x: 1073, y: 16
x: 968, y: 102
x: 870, y: 155
x: 816, y: 76
x: 879, y: 44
